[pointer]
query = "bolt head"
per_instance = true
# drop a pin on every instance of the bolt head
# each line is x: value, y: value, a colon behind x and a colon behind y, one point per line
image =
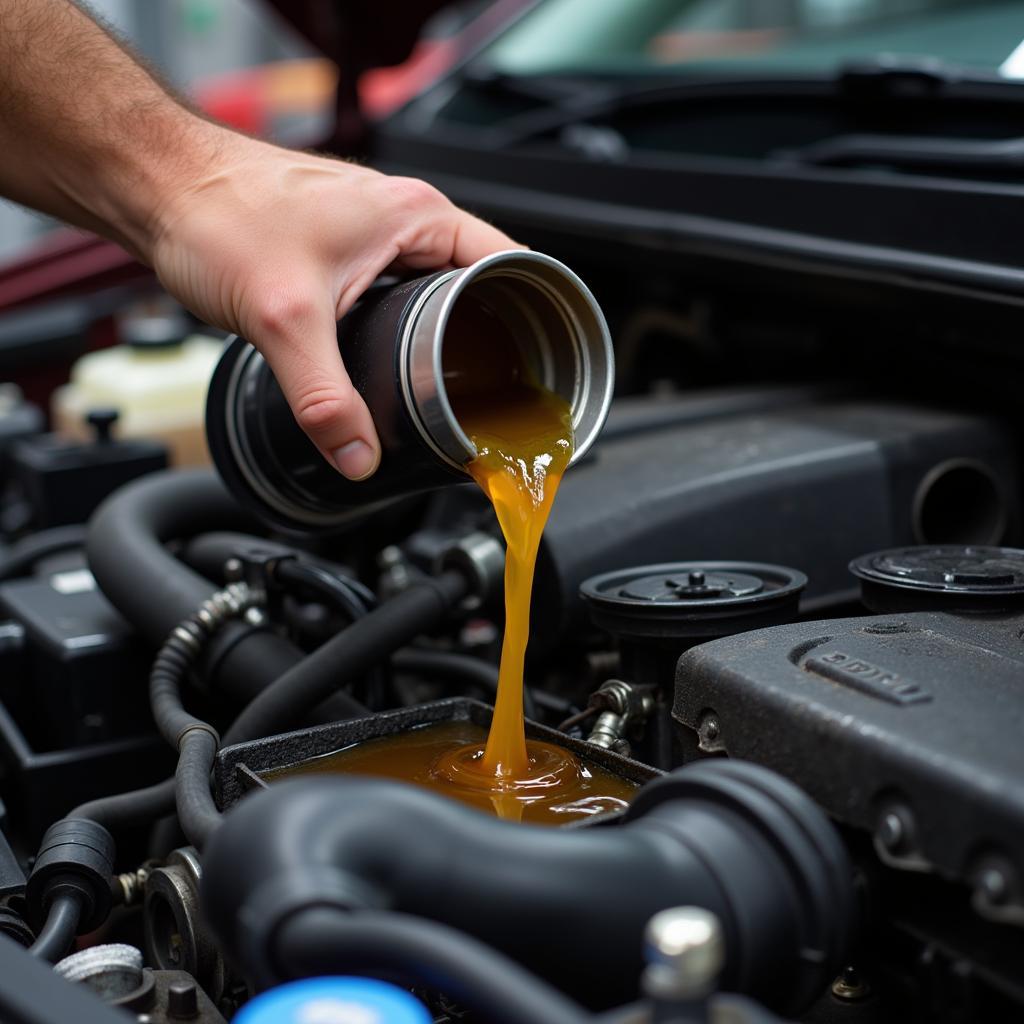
x: 182, y: 1000
x: 993, y: 886
x: 687, y: 947
x: 894, y: 830
x: 255, y: 617
x: 709, y: 728
x: 850, y: 986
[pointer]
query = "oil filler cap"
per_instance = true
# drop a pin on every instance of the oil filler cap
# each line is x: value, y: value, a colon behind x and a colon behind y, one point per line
x: 946, y: 577
x: 334, y: 1001
x: 701, y: 600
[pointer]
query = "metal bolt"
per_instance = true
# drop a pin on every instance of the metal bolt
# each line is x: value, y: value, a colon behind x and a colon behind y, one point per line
x: 182, y: 1000
x: 233, y: 569
x: 697, y: 579
x: 709, y: 731
x: 892, y: 831
x: 850, y: 986
x: 390, y: 556
x: 685, y: 951
x: 255, y: 616
x: 993, y: 885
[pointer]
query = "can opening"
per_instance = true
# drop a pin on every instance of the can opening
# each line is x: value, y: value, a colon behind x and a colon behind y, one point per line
x: 505, y: 328
x: 481, y: 351
x: 519, y: 316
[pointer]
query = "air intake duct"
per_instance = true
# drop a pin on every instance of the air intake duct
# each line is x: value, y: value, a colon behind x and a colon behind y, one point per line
x: 571, y: 905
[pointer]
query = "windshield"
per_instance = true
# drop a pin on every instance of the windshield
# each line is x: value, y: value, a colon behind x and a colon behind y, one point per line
x: 745, y: 36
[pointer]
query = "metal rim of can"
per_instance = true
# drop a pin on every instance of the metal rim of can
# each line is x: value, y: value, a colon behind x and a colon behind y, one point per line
x: 422, y: 345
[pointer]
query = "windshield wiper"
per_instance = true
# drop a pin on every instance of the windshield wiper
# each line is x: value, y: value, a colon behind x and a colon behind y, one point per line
x: 892, y: 76
x: 545, y: 90
x: 911, y: 152
x: 569, y: 100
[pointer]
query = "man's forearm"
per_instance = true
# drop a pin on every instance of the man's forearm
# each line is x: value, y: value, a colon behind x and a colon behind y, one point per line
x: 86, y: 133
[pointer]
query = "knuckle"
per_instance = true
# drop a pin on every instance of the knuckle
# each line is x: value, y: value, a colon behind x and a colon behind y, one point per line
x: 406, y: 195
x: 322, y: 408
x: 279, y: 312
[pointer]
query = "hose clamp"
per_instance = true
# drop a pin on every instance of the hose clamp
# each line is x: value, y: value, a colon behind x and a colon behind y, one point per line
x: 198, y: 726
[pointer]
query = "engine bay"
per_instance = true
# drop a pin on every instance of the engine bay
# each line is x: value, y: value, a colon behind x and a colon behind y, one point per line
x: 775, y: 627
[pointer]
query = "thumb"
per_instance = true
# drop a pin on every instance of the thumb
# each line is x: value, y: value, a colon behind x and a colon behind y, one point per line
x: 298, y: 338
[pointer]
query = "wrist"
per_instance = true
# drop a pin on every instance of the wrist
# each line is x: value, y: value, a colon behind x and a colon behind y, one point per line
x: 177, y: 151
x: 126, y: 190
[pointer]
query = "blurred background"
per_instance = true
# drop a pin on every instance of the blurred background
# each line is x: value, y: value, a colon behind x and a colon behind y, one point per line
x: 246, y: 64
x: 290, y: 71
x: 729, y: 116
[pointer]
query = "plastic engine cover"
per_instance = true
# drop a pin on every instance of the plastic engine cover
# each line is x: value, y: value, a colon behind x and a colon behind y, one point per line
x: 907, y: 725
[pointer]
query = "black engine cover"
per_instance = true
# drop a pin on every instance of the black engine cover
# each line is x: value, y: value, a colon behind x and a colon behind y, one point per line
x: 782, y: 476
x: 910, y: 726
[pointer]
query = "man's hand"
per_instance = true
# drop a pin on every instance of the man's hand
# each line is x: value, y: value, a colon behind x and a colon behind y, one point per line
x: 277, y: 246
x: 272, y: 244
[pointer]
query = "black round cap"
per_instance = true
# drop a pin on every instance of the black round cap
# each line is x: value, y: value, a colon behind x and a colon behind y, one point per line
x: 680, y: 600
x: 166, y: 329
x: 946, y: 577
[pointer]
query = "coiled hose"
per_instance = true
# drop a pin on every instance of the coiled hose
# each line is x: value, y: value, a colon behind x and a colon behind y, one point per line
x: 195, y: 740
x: 126, y: 543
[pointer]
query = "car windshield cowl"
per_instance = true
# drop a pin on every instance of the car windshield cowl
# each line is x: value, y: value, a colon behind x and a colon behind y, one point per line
x: 550, y: 103
x: 782, y: 37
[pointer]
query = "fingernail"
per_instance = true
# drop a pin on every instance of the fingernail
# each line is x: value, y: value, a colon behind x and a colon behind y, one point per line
x: 356, y: 460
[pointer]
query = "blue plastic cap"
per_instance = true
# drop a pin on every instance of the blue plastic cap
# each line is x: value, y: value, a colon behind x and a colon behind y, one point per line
x: 334, y: 1001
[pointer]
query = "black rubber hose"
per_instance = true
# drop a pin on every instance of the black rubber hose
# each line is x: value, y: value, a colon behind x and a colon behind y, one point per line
x: 60, y: 929
x: 731, y: 837
x: 423, y: 953
x: 123, y: 810
x: 333, y: 589
x: 23, y: 554
x: 349, y: 655
x: 342, y: 592
x: 197, y: 811
x: 155, y: 591
x: 145, y: 805
x: 450, y: 665
x: 208, y: 552
x: 126, y: 541
x: 125, y: 545
x: 195, y: 740
x: 170, y: 668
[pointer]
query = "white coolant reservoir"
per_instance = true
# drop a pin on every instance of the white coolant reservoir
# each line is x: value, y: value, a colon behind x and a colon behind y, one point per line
x: 157, y: 381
